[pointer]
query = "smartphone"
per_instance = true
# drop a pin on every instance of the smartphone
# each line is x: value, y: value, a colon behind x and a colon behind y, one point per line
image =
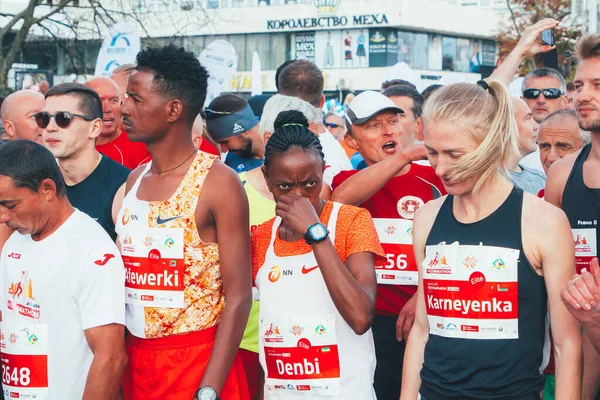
x: 548, y: 37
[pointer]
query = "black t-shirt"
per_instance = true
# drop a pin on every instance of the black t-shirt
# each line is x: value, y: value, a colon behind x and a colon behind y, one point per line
x: 95, y: 194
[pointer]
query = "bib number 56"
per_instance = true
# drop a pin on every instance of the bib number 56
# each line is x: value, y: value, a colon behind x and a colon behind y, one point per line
x: 394, y: 261
x: 16, y: 376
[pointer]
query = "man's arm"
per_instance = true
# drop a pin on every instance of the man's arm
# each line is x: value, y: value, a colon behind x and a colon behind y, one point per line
x: 558, y: 174
x: 104, y: 377
x: 528, y: 45
x: 118, y: 202
x: 557, y: 258
x: 231, y: 218
x: 419, y: 335
x: 362, y: 186
x: 101, y: 303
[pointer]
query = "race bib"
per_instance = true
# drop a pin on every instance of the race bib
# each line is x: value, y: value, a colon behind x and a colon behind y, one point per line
x: 396, y: 238
x: 154, y: 267
x: 585, y: 247
x: 24, y: 354
x: 301, y: 355
x: 471, y: 292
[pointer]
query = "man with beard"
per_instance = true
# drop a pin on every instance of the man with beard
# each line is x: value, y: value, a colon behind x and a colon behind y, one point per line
x: 231, y: 122
x: 573, y: 184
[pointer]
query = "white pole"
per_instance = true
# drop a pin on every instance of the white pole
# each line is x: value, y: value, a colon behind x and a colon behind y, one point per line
x: 593, y: 16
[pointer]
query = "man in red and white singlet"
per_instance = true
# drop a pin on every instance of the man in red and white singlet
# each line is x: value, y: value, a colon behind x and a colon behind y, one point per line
x: 392, y: 188
x: 185, y: 246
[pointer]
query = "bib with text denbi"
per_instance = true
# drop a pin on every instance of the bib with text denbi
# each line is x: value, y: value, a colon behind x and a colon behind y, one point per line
x: 301, y: 355
x: 396, y: 238
x: 24, y: 354
x: 154, y: 267
x: 472, y: 292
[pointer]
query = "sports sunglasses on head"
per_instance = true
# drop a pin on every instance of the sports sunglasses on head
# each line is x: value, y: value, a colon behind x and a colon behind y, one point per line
x: 63, y: 118
x: 550, y: 93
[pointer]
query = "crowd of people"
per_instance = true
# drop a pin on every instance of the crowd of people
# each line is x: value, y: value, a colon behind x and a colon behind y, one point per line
x: 157, y: 249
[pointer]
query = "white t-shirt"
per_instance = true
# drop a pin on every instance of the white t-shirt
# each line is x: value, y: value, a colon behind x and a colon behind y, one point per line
x: 51, y: 291
x: 336, y: 159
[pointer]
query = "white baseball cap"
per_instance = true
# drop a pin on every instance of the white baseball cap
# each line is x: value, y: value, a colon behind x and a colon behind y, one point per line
x: 366, y: 105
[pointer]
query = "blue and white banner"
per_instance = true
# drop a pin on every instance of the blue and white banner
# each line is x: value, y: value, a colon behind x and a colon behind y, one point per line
x: 119, y: 47
x: 220, y: 60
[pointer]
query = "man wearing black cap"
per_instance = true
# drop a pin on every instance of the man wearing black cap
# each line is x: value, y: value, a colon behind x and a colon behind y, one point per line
x: 392, y: 188
x: 232, y: 124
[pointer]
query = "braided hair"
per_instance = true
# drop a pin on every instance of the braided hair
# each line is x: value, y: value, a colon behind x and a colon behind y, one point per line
x: 291, y: 130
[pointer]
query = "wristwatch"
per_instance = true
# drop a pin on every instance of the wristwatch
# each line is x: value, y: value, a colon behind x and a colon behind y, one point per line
x: 206, y: 393
x: 316, y: 233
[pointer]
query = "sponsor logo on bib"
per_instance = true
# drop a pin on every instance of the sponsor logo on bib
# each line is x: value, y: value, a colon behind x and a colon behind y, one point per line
x: 408, y: 206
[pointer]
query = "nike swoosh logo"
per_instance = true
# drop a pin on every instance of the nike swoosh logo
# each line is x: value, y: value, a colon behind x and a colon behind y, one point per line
x: 307, y: 270
x: 106, y: 259
x: 161, y: 221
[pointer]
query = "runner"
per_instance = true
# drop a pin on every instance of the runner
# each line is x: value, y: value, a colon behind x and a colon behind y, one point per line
x: 559, y: 135
x: 113, y: 141
x: 317, y: 294
x: 232, y: 124
x: 120, y: 76
x: 408, y: 99
x: 392, y: 189
x: 303, y: 79
x: 574, y: 186
x: 493, y: 260
x: 71, y: 121
x: 335, y: 124
x: 528, y: 179
x: 544, y: 91
x: 17, y: 114
x: 61, y: 287
x: 179, y: 231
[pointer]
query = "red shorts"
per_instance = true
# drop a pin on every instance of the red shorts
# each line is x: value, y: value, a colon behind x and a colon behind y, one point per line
x: 251, y: 366
x: 171, y: 368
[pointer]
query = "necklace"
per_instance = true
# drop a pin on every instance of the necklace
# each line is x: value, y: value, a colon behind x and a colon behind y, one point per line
x: 171, y: 169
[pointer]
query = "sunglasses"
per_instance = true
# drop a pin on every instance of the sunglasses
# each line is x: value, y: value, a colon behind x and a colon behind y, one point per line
x: 548, y: 93
x: 63, y: 118
x: 331, y: 125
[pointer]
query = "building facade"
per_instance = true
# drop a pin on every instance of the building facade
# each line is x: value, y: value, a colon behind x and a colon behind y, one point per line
x: 356, y: 43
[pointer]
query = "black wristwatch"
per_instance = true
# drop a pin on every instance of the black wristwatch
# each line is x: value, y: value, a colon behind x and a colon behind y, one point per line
x: 316, y: 233
x: 206, y: 393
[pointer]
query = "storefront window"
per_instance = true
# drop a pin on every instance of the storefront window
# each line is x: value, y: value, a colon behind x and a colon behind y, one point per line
x: 463, y: 48
x: 435, y: 52
x: 448, y: 53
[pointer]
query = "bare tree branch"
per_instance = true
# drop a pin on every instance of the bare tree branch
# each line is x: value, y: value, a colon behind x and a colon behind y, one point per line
x: 513, y: 17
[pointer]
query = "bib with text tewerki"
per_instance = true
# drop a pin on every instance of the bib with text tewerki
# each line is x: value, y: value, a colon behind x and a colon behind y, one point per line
x: 154, y: 266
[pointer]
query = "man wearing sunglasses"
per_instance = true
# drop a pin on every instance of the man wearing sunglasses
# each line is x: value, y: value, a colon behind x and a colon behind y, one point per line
x: 71, y: 120
x: 544, y: 91
x: 335, y: 125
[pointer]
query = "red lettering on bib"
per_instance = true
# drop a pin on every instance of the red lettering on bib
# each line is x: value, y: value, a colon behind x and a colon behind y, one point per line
x: 299, y: 363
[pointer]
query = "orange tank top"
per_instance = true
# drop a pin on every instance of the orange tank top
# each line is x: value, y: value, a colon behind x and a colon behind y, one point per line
x: 173, y: 279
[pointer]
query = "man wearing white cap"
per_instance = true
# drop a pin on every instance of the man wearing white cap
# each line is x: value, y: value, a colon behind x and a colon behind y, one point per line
x: 392, y: 188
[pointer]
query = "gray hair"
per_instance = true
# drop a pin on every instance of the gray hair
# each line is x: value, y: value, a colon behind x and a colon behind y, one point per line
x: 540, y: 73
x: 561, y: 115
x: 279, y: 103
